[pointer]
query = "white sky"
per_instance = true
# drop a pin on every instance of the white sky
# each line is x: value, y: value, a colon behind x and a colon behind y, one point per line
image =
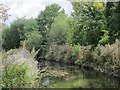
x: 31, y: 8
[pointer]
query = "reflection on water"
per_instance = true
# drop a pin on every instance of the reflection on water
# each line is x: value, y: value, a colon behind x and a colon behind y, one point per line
x: 74, y: 77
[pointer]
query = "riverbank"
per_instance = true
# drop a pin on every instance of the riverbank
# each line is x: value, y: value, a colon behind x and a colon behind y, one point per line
x: 71, y: 76
x: 88, y: 66
x: 105, y: 59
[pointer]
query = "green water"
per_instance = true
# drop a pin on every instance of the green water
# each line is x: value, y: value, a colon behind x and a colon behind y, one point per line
x: 75, y: 77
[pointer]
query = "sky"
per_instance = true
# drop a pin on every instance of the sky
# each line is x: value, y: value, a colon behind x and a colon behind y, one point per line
x: 31, y: 8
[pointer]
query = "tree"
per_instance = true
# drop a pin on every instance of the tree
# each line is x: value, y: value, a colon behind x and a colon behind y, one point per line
x: 71, y: 30
x: 90, y: 21
x: 112, y: 13
x: 19, y: 25
x: 59, y: 29
x: 11, y: 39
x: 31, y: 25
x: 44, y: 21
x: 46, y: 17
x: 17, y: 32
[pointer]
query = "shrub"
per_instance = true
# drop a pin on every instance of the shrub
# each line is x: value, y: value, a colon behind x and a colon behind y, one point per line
x: 19, y: 69
x: 56, y: 52
x: 63, y: 53
x: 85, y: 56
x: 73, y: 53
x: 107, y: 57
x: 109, y: 53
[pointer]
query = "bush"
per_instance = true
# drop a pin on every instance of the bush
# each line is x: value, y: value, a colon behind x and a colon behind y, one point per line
x: 85, y: 56
x: 19, y: 69
x: 63, y: 53
x: 73, y: 53
x: 108, y: 54
x: 55, y: 52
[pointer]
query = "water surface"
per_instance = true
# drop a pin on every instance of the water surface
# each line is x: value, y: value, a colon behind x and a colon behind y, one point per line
x: 75, y: 77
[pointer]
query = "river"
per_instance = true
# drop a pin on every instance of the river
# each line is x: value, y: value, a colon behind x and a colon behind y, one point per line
x: 66, y: 76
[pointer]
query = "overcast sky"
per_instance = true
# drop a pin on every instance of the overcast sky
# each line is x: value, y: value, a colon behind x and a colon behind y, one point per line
x: 31, y: 8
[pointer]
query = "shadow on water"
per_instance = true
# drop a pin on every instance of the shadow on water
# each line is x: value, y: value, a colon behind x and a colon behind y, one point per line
x: 74, y: 77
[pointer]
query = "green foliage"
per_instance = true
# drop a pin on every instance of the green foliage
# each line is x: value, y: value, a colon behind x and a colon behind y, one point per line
x: 19, y: 69
x: 24, y: 26
x: 44, y: 21
x: 64, y: 38
x: 30, y: 25
x: 90, y: 20
x: 9, y: 74
x: 19, y: 24
x: 110, y: 52
x: 11, y: 39
x: 85, y: 56
x: 46, y: 17
x: 56, y: 53
x: 33, y: 39
x: 104, y: 38
x: 71, y: 30
x: 58, y: 32
x: 17, y: 32
x: 75, y: 52
x: 112, y: 13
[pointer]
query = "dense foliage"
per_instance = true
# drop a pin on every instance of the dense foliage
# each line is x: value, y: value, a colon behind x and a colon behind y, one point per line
x: 11, y: 39
x: 112, y: 13
x: 33, y: 39
x: 89, y: 37
x: 90, y: 21
x: 103, y: 58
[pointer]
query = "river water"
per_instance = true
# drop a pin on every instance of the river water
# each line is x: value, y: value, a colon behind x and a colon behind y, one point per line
x: 65, y: 76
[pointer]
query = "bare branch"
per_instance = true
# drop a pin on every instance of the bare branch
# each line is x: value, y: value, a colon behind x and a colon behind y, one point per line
x: 3, y: 12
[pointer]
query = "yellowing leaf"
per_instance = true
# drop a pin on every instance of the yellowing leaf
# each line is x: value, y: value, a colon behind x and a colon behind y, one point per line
x: 98, y: 4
